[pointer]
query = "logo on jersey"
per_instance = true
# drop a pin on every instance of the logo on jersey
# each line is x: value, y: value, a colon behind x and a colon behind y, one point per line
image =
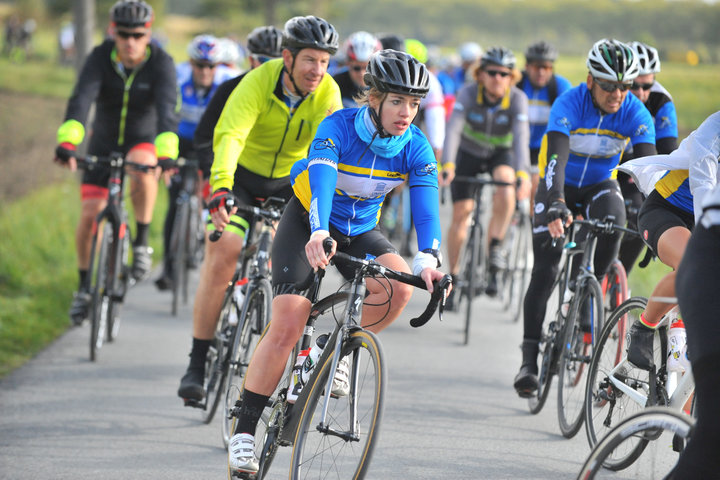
x: 645, y: 235
x: 641, y: 130
x: 539, y: 208
x: 325, y: 145
x: 502, y: 119
x: 563, y: 122
x: 664, y: 123
x: 476, y: 117
x: 550, y: 171
x: 428, y: 169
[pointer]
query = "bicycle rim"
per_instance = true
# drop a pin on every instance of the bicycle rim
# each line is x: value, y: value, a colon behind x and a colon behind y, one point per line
x: 119, y: 276
x: 472, y: 280
x: 548, y: 357
x: 322, y: 455
x: 178, y: 250
x: 217, y: 360
x: 606, y: 405
x: 576, y: 354
x: 520, y: 272
x: 669, y: 430
x: 256, y: 314
x: 99, y: 290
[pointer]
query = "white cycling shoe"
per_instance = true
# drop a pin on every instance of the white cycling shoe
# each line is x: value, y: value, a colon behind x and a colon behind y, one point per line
x: 341, y: 381
x: 241, y: 454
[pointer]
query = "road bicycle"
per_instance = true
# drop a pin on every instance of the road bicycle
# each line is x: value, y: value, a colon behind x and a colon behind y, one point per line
x: 396, y: 220
x: 663, y: 431
x: 188, y: 232
x: 514, y: 279
x: 109, y: 271
x: 574, y: 320
x: 472, y: 280
x: 334, y: 436
x: 616, y: 388
x: 244, y: 315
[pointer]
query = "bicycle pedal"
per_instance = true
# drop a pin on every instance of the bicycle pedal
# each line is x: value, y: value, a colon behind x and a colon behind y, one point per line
x: 189, y: 402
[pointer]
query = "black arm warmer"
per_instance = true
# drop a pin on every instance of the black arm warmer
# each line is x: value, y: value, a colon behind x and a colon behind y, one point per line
x: 558, y: 150
x: 643, y: 150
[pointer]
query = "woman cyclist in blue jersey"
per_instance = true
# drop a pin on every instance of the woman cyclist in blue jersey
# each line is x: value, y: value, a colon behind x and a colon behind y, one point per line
x: 358, y: 156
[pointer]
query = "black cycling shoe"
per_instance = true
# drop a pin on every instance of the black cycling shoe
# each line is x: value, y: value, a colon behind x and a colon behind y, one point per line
x: 191, y: 385
x: 450, y: 301
x: 164, y: 282
x: 80, y: 308
x: 526, y: 382
x: 491, y: 289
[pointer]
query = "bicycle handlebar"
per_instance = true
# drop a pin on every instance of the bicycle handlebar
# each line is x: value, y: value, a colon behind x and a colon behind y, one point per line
x: 437, y: 298
x: 91, y: 161
x: 600, y: 226
x: 270, y: 214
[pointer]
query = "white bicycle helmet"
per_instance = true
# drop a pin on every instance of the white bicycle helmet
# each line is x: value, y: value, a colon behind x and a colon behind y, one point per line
x: 229, y: 52
x: 613, y: 60
x: 204, y: 48
x: 361, y: 45
x: 470, y: 52
x: 647, y: 56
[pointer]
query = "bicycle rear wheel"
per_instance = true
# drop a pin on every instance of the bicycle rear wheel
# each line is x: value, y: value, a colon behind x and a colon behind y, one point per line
x: 582, y: 331
x: 613, y: 382
x: 217, y: 360
x: 178, y: 251
x: 343, y: 447
x: 615, y: 289
x: 99, y: 288
x: 254, y: 319
x: 663, y: 430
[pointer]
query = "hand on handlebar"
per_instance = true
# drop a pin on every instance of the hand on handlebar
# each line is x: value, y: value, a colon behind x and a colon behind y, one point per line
x: 65, y: 156
x: 559, y: 218
x: 316, y: 251
x: 431, y: 275
x: 221, y: 206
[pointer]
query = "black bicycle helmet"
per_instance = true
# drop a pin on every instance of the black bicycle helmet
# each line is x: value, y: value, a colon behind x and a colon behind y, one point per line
x: 541, y: 51
x: 265, y: 41
x: 397, y: 72
x: 501, y: 56
x: 613, y: 60
x: 131, y: 14
x: 310, y: 32
x: 391, y: 41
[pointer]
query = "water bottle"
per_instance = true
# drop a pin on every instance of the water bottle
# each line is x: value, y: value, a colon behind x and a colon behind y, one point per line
x: 677, y: 346
x: 297, y: 383
x: 238, y: 299
x: 567, y: 296
x: 313, y: 356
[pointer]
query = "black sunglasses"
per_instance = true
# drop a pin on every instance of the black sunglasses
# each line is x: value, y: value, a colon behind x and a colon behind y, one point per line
x: 202, y: 66
x: 642, y: 86
x: 126, y: 35
x: 494, y: 73
x: 358, y: 68
x: 611, y: 87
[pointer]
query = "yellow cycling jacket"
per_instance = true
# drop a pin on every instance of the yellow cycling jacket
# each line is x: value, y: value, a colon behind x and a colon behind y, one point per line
x: 257, y: 130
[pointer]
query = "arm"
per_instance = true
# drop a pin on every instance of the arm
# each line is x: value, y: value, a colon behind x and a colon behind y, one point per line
x: 557, y: 153
x: 704, y: 149
x: 166, y: 104
x: 84, y: 94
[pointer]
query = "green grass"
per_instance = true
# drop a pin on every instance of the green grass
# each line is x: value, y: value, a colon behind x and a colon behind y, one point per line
x: 38, y: 270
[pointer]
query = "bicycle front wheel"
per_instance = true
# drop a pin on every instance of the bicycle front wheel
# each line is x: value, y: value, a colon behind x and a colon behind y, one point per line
x: 254, y: 319
x: 178, y: 251
x: 665, y: 432
x: 342, y: 446
x: 582, y: 331
x: 474, y: 271
x: 99, y: 288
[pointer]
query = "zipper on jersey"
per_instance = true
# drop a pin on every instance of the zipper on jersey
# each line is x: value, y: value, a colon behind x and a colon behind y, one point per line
x: 587, y: 158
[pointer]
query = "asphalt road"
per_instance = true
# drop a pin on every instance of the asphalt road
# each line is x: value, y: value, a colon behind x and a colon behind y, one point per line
x: 450, y: 410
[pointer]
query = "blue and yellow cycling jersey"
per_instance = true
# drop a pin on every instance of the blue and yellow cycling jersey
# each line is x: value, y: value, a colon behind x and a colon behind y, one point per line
x: 597, y: 140
x: 539, y: 103
x: 674, y: 186
x: 343, y: 182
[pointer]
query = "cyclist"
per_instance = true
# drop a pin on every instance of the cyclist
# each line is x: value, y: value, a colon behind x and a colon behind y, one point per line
x: 668, y: 216
x: 253, y: 156
x: 263, y: 43
x: 132, y: 83
x: 454, y: 78
x: 586, y: 134
x: 488, y: 132
x: 358, y: 47
x: 697, y: 281
x: 660, y: 104
x: 357, y: 156
x: 542, y: 86
x: 195, y: 94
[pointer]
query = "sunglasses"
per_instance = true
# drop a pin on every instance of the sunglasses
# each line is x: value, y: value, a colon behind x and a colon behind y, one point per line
x: 203, y: 66
x: 126, y: 35
x: 358, y: 68
x: 642, y: 86
x: 494, y: 73
x: 611, y: 87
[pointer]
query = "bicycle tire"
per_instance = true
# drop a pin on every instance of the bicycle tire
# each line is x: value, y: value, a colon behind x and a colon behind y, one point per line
x: 520, y: 269
x: 216, y: 362
x: 192, y: 245
x: 311, y: 446
x: 178, y: 249
x: 577, y: 353
x: 254, y: 318
x: 121, y: 274
x: 614, y: 287
x: 606, y: 405
x: 663, y: 424
x: 473, y: 270
x: 99, y: 289
x: 548, y: 352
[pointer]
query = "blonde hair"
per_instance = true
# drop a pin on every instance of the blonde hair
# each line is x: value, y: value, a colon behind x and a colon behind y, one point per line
x: 363, y: 98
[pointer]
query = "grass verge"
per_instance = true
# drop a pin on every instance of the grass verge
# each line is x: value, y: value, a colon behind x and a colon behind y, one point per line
x: 38, y: 270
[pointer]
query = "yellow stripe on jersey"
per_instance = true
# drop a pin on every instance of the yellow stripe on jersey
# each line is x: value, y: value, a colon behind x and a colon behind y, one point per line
x: 669, y: 184
x: 301, y: 187
x: 351, y: 169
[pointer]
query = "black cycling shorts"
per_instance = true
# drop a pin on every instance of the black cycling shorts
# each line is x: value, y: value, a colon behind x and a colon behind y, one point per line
x: 252, y: 189
x: 469, y: 165
x: 657, y: 216
x: 289, y: 261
